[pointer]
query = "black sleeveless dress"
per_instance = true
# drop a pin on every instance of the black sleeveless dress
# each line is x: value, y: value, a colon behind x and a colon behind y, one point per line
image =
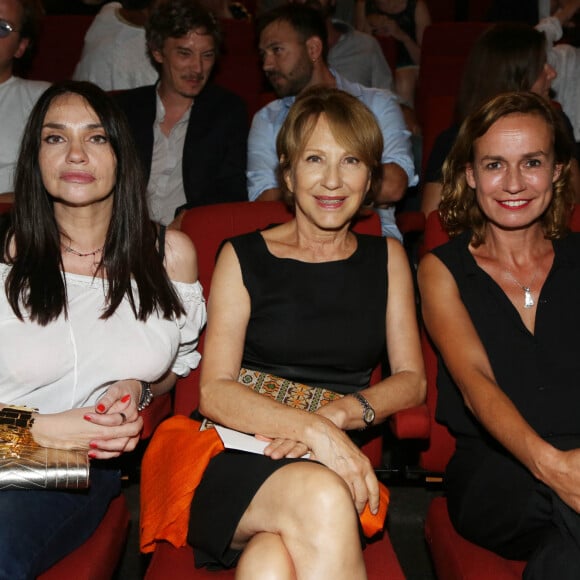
x: 321, y: 324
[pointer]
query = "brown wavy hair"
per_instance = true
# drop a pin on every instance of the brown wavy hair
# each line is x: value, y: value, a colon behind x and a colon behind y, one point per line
x: 352, y: 124
x: 459, y: 210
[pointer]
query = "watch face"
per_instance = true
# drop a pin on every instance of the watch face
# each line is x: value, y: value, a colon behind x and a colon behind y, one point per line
x: 369, y: 416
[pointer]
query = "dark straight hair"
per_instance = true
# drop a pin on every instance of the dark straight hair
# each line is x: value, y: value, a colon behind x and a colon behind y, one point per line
x: 36, y: 278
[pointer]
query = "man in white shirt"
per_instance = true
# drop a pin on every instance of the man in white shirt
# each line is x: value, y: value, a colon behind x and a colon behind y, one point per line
x: 191, y: 134
x: 114, y: 53
x: 19, y: 21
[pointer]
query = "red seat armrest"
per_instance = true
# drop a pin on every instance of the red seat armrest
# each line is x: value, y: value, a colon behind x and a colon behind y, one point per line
x: 413, y: 423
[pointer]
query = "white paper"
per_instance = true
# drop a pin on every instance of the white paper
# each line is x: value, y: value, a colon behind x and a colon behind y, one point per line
x: 233, y: 439
x: 241, y: 441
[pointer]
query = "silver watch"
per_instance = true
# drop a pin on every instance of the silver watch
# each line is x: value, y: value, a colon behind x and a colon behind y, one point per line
x: 146, y: 396
x: 368, y: 411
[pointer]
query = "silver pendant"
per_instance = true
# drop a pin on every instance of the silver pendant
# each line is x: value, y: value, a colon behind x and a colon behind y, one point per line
x: 528, y: 300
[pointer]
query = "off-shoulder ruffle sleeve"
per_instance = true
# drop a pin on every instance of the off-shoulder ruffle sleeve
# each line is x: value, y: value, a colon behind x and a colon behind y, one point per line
x: 190, y: 326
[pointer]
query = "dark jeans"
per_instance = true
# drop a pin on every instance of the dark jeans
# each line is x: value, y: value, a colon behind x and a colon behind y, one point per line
x: 38, y: 528
x: 496, y: 503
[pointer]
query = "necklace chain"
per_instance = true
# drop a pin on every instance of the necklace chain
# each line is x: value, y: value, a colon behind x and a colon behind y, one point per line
x: 528, y: 298
x: 71, y: 250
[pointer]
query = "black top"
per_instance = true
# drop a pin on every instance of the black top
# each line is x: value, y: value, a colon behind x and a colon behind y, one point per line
x: 540, y: 373
x: 322, y: 324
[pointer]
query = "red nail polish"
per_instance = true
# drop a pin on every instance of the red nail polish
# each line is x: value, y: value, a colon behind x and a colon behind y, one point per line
x: 93, y: 446
x: 87, y: 418
x: 125, y: 398
x: 101, y: 408
x: 92, y: 454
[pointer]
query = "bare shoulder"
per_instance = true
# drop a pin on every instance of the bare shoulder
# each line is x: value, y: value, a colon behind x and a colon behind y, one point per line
x: 394, y: 247
x: 435, y: 279
x: 397, y: 257
x: 180, y: 257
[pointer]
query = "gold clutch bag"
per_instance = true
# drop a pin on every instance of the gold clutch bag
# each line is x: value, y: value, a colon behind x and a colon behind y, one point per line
x: 26, y: 465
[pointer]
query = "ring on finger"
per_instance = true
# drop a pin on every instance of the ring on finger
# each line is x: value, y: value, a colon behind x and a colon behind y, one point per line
x: 123, y: 418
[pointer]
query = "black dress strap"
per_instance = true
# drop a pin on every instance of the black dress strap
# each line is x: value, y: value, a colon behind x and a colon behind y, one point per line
x: 161, y: 241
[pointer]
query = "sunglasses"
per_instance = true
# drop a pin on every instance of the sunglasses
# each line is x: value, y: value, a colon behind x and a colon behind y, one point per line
x: 5, y: 28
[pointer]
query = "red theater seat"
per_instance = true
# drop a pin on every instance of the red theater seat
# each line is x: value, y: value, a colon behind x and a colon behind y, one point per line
x: 98, y: 557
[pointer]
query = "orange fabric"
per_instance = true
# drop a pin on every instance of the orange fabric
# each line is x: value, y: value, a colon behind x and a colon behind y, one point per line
x: 373, y: 524
x: 168, y: 482
x: 172, y: 468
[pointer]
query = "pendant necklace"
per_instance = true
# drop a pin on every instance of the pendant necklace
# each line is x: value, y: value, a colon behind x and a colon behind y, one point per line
x: 528, y: 299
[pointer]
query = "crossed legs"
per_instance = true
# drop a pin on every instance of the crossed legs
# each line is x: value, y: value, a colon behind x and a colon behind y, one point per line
x: 302, y: 525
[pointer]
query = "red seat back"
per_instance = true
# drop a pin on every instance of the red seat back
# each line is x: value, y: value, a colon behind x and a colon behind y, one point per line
x: 238, y: 68
x: 389, y: 47
x: 444, y: 52
x: 59, y: 47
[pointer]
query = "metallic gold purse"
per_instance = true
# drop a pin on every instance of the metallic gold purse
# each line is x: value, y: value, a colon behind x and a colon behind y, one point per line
x: 26, y: 465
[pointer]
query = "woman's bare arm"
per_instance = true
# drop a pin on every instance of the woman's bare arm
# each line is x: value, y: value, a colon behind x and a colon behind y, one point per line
x: 454, y: 335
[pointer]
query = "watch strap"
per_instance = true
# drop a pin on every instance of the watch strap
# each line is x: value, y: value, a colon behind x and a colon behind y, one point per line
x: 367, y: 408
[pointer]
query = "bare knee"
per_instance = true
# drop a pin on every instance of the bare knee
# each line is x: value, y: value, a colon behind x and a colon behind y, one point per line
x: 265, y: 557
x: 327, y: 494
x: 319, y: 508
x: 304, y: 500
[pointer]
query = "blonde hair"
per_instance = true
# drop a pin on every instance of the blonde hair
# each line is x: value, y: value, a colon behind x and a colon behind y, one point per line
x: 354, y: 127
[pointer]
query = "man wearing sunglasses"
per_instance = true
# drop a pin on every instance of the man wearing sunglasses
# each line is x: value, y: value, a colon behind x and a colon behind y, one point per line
x: 19, y: 21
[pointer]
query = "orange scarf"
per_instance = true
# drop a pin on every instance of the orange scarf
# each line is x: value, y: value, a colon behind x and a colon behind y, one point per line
x: 169, y: 480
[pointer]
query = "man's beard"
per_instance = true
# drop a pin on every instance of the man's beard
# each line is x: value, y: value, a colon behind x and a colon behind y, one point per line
x: 294, y: 83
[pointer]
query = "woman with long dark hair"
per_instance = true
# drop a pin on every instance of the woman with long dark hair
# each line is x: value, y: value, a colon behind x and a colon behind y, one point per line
x: 101, y: 310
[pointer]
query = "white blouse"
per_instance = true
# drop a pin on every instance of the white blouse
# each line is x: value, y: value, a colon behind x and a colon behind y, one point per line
x: 71, y: 361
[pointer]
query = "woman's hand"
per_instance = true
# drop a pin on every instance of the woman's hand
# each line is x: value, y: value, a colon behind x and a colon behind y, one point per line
x: 108, y: 429
x: 333, y: 448
x: 74, y: 430
x: 562, y: 475
x: 119, y: 402
x: 122, y: 396
x: 279, y: 448
x: 385, y: 26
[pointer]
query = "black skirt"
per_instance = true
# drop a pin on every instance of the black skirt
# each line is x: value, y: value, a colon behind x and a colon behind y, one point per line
x: 229, y: 484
